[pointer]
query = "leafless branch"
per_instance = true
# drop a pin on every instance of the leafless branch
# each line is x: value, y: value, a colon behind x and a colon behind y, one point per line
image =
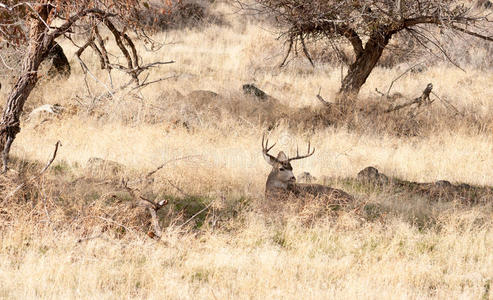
x: 86, y: 70
x: 150, y: 174
x: 398, y: 77
x: 195, y: 215
x: 305, y: 50
x: 152, y: 207
x: 448, y: 104
x: 290, y: 43
x: 475, y: 34
x: 321, y: 99
x: 58, y: 143
x: 423, y: 99
x: 178, y: 188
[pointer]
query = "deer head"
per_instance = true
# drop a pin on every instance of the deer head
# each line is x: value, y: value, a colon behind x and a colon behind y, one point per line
x: 282, y: 171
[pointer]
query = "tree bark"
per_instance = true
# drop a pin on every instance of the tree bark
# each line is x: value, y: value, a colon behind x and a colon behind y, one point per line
x: 37, y: 50
x: 365, y: 62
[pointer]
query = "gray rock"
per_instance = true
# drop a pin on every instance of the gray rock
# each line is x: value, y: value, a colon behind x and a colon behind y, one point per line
x: 443, y: 184
x: 252, y: 90
x: 306, y: 177
x: 371, y: 175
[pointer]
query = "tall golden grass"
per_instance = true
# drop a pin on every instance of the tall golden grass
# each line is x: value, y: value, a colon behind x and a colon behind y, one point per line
x: 72, y: 235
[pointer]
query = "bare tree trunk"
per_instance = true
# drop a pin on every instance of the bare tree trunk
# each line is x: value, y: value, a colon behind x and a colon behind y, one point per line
x: 365, y: 62
x: 39, y: 43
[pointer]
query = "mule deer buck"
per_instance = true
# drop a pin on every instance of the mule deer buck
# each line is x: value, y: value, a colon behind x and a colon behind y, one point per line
x: 282, y: 183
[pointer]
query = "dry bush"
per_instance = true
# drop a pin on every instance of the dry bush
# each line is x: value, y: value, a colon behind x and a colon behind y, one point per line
x: 204, y: 109
x: 185, y: 14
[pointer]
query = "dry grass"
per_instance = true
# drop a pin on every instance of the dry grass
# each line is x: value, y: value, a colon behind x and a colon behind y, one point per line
x: 66, y: 237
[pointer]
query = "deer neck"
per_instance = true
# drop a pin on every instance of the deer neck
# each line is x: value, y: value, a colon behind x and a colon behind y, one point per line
x: 274, y: 183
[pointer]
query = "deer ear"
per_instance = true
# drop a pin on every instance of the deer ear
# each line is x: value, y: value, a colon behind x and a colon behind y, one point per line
x: 282, y: 156
x: 269, y: 159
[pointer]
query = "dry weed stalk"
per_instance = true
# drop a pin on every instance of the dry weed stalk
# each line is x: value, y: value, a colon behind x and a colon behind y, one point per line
x: 35, y: 177
x: 152, y: 207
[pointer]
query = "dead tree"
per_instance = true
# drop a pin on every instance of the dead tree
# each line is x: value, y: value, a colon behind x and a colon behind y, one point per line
x: 424, y: 99
x: 35, y: 27
x: 369, y: 25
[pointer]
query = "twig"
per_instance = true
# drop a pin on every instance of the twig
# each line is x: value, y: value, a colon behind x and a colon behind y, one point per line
x: 380, y: 93
x: 144, y: 84
x: 305, y: 50
x: 58, y: 143
x: 398, y: 77
x: 169, y: 161
x: 195, y: 215
x: 291, y: 40
x: 448, y: 104
x: 321, y: 99
x: 436, y: 44
x: 342, y: 73
x: 37, y: 15
x: 151, y: 206
x: 13, y: 192
x: 87, y: 71
x: 178, y: 188
x: 157, y: 63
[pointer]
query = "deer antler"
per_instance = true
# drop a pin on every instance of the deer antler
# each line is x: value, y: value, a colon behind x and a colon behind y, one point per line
x: 266, y: 149
x: 308, y: 154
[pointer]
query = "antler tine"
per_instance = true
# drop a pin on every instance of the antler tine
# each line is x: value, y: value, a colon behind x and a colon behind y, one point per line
x: 309, y: 148
x: 266, y: 147
x: 303, y: 156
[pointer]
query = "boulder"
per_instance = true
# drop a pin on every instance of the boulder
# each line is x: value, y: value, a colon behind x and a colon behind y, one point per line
x: 306, y: 177
x: 371, y: 175
x: 252, y: 90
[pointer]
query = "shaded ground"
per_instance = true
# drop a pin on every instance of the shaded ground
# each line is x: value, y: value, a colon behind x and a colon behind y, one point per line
x: 441, y: 190
x: 90, y: 202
